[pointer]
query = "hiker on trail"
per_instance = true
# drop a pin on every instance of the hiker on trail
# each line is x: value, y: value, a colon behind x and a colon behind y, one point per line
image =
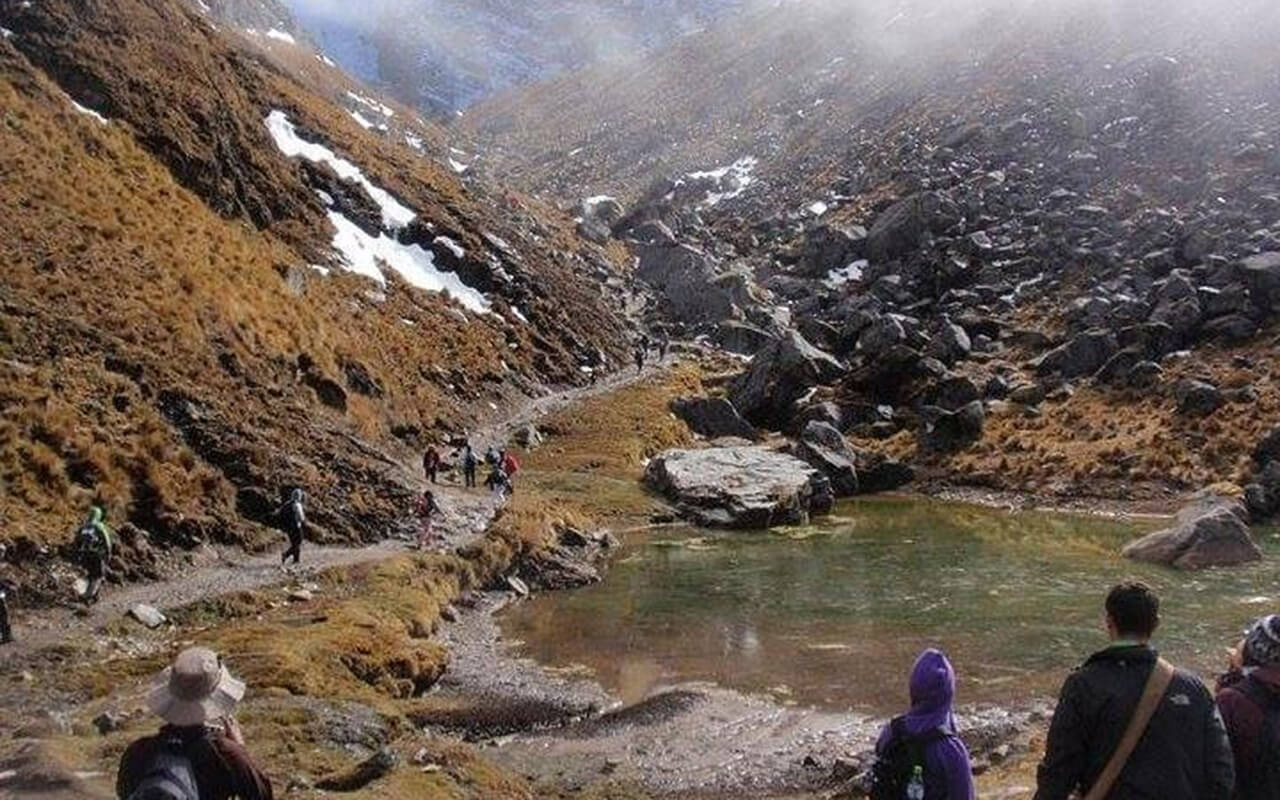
x: 92, y: 551
x: 427, y: 507
x: 498, y: 482
x: 1129, y: 725
x: 919, y: 756
x: 510, y: 466
x: 199, y: 754
x: 293, y: 519
x: 492, y: 457
x: 1249, y: 699
x: 431, y: 463
x: 664, y: 344
x: 6, y: 588
x: 639, y: 356
x: 469, y: 465
x: 645, y: 343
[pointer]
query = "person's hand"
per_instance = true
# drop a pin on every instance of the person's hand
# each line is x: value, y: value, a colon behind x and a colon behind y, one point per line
x: 231, y: 729
x: 1235, y: 657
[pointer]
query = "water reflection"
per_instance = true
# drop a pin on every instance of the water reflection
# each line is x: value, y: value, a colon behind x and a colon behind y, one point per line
x: 834, y: 615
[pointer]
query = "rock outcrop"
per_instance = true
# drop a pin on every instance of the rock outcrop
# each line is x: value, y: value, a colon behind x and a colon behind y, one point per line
x: 1211, y: 532
x: 739, y: 487
x: 779, y: 375
x: 712, y: 417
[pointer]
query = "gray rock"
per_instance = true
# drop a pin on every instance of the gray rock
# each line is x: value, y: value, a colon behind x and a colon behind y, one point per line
x: 1145, y: 375
x: 109, y: 722
x: 882, y: 335
x: 1233, y: 328
x: 879, y: 473
x: 1197, y: 398
x: 712, y: 417
x: 686, y: 280
x: 779, y: 375
x: 822, y: 446
x: 150, y: 616
x: 741, y: 338
x: 901, y: 228
x: 528, y: 437
x: 1268, y: 449
x: 1084, y: 355
x: 738, y: 487
x: 953, y: 393
x: 944, y: 431
x: 1209, y: 533
x: 829, y: 247
x: 1261, y: 274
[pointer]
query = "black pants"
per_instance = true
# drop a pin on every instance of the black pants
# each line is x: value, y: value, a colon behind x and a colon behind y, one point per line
x: 6, y: 633
x: 295, y: 545
x: 431, y: 474
x: 469, y: 477
x: 95, y: 570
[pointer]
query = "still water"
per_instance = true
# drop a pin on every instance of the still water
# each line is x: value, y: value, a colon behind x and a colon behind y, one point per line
x: 833, y: 615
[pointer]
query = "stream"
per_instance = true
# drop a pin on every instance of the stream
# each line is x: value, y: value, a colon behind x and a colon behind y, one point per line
x: 832, y: 615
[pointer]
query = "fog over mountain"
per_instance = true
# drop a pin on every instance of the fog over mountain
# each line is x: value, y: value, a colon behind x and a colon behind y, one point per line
x: 443, y: 55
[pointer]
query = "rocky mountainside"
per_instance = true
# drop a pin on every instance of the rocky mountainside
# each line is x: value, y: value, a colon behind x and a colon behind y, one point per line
x: 1023, y: 246
x: 219, y: 283
x: 443, y: 55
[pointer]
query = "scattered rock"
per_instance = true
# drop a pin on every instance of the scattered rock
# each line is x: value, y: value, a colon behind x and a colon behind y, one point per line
x: 109, y: 722
x: 946, y: 431
x: 1197, y: 398
x: 779, y: 375
x: 825, y: 448
x: 713, y: 417
x: 149, y: 616
x: 378, y: 766
x: 528, y: 437
x: 1084, y: 355
x: 1209, y: 533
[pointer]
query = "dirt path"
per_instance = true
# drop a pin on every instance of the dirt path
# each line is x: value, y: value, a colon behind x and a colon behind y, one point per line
x: 215, y: 572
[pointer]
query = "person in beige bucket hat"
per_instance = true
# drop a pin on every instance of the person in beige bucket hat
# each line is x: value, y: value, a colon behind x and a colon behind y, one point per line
x: 200, y: 752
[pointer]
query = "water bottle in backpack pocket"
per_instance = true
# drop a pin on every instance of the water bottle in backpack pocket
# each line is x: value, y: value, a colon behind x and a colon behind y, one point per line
x: 898, y: 772
x: 169, y: 775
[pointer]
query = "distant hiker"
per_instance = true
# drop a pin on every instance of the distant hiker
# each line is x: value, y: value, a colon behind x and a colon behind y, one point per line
x: 6, y: 588
x: 1249, y: 698
x: 492, y: 457
x: 427, y: 508
x: 510, y: 466
x: 199, y: 754
x: 431, y: 463
x: 293, y: 519
x: 469, y: 465
x: 639, y: 356
x: 919, y: 756
x: 1129, y: 725
x: 92, y: 551
x: 664, y: 344
x: 498, y: 482
x: 645, y: 343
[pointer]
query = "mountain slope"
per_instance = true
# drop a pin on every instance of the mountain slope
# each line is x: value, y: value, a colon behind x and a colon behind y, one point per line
x: 1039, y: 238
x: 166, y: 348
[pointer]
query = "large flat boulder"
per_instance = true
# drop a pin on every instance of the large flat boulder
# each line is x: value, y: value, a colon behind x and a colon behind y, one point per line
x: 1211, y: 532
x: 739, y: 487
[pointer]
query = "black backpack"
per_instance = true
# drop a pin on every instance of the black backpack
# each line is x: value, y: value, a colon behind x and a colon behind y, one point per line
x: 1263, y: 776
x: 893, y: 768
x: 169, y: 775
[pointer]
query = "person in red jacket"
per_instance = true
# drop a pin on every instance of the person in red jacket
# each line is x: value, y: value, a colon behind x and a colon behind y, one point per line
x: 427, y: 508
x: 1249, y: 698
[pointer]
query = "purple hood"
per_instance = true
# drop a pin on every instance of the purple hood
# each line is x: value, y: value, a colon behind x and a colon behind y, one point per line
x: 933, y: 689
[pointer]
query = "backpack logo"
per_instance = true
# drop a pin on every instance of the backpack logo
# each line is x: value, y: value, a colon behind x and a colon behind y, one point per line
x: 1180, y: 700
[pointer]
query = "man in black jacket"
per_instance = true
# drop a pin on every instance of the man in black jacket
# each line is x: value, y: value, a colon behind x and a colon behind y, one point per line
x: 1184, y: 754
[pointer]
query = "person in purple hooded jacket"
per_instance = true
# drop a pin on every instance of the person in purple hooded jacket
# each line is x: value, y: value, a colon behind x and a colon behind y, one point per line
x: 948, y: 774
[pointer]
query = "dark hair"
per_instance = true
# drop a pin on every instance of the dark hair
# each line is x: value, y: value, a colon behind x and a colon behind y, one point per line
x: 1134, y: 609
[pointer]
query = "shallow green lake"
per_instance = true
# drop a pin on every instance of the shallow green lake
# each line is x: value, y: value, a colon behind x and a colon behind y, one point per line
x: 833, y: 615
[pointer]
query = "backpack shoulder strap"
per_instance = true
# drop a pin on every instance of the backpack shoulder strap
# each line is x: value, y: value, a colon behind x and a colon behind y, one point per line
x: 1157, y: 684
x: 1259, y: 693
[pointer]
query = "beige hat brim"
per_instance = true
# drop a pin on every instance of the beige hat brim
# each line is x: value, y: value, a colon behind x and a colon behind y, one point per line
x: 184, y: 713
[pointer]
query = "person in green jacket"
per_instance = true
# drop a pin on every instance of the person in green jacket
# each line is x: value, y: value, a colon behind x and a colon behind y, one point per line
x: 92, y: 550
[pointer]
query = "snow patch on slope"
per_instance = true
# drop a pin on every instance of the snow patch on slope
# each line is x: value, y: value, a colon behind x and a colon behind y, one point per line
x: 363, y: 253
x: 281, y: 36
x: 89, y: 112
x: 394, y: 214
